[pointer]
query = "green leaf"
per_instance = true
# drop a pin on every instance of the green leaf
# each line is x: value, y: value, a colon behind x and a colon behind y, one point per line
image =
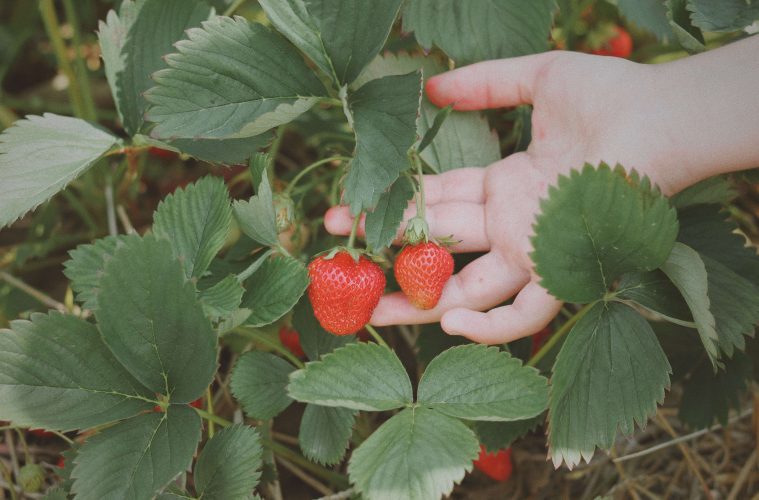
x: 352, y: 32
x: 689, y: 36
x: 226, y: 152
x: 292, y: 19
x: 609, y: 375
x: 315, y: 340
x: 712, y: 191
x: 229, y: 465
x: 706, y: 230
x: 256, y: 216
x: 40, y: 155
x: 383, y: 222
x: 734, y: 302
x: 325, y: 433
x: 655, y: 292
x: 244, y: 78
x: 709, y: 396
x: 384, y: 118
x: 465, y: 138
x: 498, y: 435
x: 152, y: 321
x: 476, y: 31
x: 361, y: 376
x: 418, y: 454
x: 687, y: 272
x: 723, y: 15
x: 133, y: 44
x: 274, y: 290
x: 440, y: 117
x: 56, y: 373
x: 258, y: 383
x: 196, y: 221
x: 56, y: 493
x: 85, y: 268
x: 650, y: 15
x: 223, y: 299
x: 476, y: 382
x: 138, y: 457
x: 596, y: 225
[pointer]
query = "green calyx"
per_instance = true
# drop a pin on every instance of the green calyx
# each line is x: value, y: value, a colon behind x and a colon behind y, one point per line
x: 417, y: 231
x: 355, y: 253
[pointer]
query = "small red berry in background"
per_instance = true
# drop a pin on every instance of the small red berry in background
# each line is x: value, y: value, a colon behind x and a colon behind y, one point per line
x: 198, y: 403
x: 41, y: 433
x: 291, y: 340
x: 619, y: 45
x: 495, y: 465
x: 162, y: 153
x: 539, y: 339
x: 61, y: 462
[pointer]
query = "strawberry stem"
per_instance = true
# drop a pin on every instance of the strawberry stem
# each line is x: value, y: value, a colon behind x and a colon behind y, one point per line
x: 354, y: 230
x: 376, y: 336
x: 289, y: 189
x: 421, y: 203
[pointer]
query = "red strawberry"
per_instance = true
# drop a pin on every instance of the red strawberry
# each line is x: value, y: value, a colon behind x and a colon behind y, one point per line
x: 344, y: 292
x: 620, y: 45
x: 539, y: 339
x: 422, y: 271
x: 291, y: 340
x: 198, y: 403
x: 496, y: 465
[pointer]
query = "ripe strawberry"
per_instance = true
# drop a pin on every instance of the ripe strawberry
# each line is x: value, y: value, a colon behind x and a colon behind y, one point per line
x: 291, y: 340
x: 422, y: 271
x: 496, y: 465
x: 619, y: 45
x: 344, y: 292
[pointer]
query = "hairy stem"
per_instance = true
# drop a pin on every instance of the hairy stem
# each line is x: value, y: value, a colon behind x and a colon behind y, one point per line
x: 375, y: 334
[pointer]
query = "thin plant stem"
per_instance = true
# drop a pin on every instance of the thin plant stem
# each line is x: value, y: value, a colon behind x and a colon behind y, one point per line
x: 9, y: 479
x: 558, y: 335
x: 32, y: 292
x: 354, y: 230
x: 376, y: 336
x: 209, y: 406
x: 80, y: 209
x: 421, y: 202
x: 90, y: 113
x: 303, y: 476
x: 110, y: 206
x: 255, y: 336
x: 308, y: 169
x: 233, y: 8
x: 283, y: 451
x: 212, y: 418
x: 53, y: 29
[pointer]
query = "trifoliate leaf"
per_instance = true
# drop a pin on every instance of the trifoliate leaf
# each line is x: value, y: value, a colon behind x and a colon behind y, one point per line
x: 229, y: 465
x: 56, y: 373
x: 258, y: 383
x: 40, y: 155
x: 476, y: 382
x: 325, y: 433
x: 363, y: 376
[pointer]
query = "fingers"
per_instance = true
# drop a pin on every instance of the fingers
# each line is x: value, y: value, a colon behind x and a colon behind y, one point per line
x: 532, y: 310
x: 484, y: 283
x: 460, y: 184
x: 490, y: 84
x: 463, y: 221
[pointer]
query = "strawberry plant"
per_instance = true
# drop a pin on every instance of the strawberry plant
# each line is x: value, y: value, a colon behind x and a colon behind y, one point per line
x: 174, y: 355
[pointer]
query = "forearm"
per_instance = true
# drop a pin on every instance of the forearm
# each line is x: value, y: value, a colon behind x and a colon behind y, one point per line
x: 707, y: 113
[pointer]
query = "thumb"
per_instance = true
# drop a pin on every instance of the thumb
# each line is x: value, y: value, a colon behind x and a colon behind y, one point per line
x: 490, y: 84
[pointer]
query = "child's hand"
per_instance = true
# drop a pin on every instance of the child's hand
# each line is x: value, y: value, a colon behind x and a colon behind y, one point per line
x: 586, y: 109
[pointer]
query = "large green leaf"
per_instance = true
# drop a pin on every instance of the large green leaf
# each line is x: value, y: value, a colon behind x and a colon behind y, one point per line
x: 498, y: 435
x: 85, y: 268
x: 138, y: 457
x: 651, y: 15
x: 56, y: 373
x: 258, y: 383
x: 723, y: 15
x: 315, y: 340
x: 229, y: 465
x: 223, y: 299
x: 596, y: 225
x: 40, y: 155
x: 244, y: 78
x: 292, y: 19
x: 362, y: 376
x: 465, y: 138
x: 712, y: 191
x: 274, y: 290
x: 256, y: 216
x: 687, y: 272
x: 352, y: 32
x: 709, y: 396
x: 325, y: 433
x: 655, y: 292
x: 152, y: 321
x: 705, y: 229
x: 609, y: 375
x: 476, y: 382
x: 133, y: 43
x: 383, y: 222
x: 479, y: 30
x: 419, y: 454
x: 196, y: 221
x: 384, y: 118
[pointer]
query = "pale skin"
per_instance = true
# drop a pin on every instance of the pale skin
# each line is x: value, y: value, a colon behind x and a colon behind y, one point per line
x: 677, y: 123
